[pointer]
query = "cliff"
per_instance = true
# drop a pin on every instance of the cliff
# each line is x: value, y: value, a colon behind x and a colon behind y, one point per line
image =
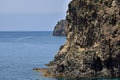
x: 92, y: 48
x: 60, y: 28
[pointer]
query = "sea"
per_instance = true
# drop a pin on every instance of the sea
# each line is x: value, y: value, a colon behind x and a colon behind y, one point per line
x: 21, y: 51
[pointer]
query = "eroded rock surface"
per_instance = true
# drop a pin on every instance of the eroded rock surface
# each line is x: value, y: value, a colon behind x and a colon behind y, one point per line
x: 92, y: 48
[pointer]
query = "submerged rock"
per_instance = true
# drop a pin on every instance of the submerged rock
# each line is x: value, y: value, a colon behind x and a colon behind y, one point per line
x: 60, y: 28
x: 92, y: 48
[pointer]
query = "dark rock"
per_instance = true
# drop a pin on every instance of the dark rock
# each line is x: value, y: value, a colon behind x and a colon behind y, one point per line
x: 60, y: 28
x: 92, y: 48
x: 96, y: 64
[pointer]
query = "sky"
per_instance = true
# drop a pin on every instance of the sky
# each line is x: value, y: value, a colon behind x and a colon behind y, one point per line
x: 31, y: 15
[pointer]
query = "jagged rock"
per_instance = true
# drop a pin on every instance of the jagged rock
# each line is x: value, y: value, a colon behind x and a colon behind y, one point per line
x: 92, y: 48
x: 60, y: 28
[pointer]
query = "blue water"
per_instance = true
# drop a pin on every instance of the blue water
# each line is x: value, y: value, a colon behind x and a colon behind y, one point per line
x: 20, y: 52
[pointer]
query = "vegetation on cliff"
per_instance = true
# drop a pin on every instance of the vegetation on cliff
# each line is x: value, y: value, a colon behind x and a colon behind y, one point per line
x: 92, y: 48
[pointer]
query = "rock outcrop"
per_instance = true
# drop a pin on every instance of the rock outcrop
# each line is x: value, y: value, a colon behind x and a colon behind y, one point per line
x: 60, y: 28
x: 92, y: 48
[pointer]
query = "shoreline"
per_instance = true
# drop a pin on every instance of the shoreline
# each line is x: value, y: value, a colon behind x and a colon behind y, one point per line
x: 46, y: 73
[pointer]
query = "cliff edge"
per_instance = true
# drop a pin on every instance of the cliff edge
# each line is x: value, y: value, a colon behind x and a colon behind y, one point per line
x: 60, y: 28
x: 92, y: 48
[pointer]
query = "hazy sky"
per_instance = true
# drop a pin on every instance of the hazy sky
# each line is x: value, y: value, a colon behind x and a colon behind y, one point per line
x: 22, y: 15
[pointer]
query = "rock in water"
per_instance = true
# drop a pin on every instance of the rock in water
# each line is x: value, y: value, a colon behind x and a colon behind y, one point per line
x: 92, y: 48
x: 60, y: 28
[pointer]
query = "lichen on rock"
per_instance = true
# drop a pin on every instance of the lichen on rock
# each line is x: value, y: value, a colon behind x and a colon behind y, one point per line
x: 92, y: 48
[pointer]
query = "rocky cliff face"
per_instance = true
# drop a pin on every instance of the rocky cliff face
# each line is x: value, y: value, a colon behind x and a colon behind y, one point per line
x: 60, y: 28
x: 92, y: 48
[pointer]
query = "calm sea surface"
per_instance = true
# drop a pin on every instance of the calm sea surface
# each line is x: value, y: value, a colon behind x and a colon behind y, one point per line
x: 20, y: 52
